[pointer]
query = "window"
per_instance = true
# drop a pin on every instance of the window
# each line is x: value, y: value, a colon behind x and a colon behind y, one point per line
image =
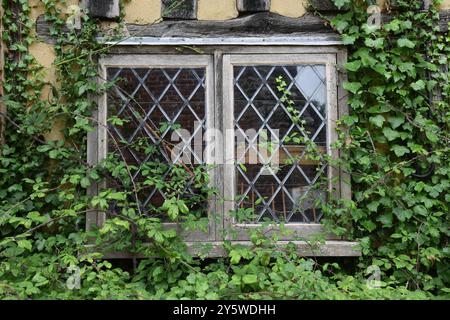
x: 285, y: 193
x: 239, y: 96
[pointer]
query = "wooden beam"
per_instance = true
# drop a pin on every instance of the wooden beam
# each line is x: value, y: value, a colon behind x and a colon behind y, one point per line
x: 262, y: 24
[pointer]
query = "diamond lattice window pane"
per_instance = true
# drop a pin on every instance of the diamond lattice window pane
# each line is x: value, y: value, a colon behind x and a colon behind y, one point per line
x: 153, y: 103
x: 290, y: 193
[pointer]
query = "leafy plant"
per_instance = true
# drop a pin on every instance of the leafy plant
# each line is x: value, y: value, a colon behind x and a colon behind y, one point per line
x: 395, y: 144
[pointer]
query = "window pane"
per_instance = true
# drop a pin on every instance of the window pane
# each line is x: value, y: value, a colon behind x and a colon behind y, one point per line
x: 288, y: 192
x: 153, y: 103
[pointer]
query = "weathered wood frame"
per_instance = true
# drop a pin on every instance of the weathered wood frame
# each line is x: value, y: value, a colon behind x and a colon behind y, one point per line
x: 239, y: 232
x: 98, y: 141
x: 219, y: 57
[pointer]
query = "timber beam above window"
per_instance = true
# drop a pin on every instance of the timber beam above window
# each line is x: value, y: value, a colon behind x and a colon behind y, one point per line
x: 261, y: 26
x: 264, y: 26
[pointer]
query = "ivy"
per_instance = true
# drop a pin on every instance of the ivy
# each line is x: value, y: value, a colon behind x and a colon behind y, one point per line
x: 395, y: 148
x: 398, y: 137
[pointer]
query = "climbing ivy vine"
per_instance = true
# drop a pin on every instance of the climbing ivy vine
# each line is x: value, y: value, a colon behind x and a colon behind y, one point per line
x: 396, y: 142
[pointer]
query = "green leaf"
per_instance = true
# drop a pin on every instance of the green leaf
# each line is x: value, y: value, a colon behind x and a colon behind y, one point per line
x: 173, y: 212
x: 85, y: 182
x: 25, y: 244
x: 390, y: 134
x: 53, y: 154
x: 353, y: 87
x: 235, y: 257
x: 377, y: 120
x: 374, y: 43
x: 341, y: 3
x: 400, y: 150
x: 418, y: 85
x: 369, y: 225
x: 182, y: 206
x: 396, y: 121
x: 35, y: 216
x: 250, y: 279
x: 386, y: 219
x: 404, y: 42
x: 377, y: 90
x: 408, y: 67
x: 347, y: 39
x: 243, y: 167
x: 340, y: 24
x: 353, y: 66
x: 373, y: 206
x: 117, y: 196
x: 431, y: 136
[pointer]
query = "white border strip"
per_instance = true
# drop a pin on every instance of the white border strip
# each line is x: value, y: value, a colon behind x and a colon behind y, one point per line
x: 250, y: 41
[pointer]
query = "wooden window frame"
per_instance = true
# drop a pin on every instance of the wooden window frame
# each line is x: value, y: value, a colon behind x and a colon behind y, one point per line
x: 298, y: 230
x: 218, y: 61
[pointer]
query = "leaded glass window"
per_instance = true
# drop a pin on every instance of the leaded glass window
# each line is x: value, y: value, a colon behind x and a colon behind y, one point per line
x: 152, y: 103
x: 155, y: 94
x: 286, y: 194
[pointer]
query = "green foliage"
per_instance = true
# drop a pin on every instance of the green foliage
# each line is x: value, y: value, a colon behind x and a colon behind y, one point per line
x: 394, y: 135
x: 397, y: 142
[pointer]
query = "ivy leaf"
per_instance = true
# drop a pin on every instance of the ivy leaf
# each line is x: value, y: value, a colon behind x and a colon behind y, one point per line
x: 402, y: 214
x: 182, y: 206
x: 420, y: 210
x: 353, y: 66
x: 85, y: 182
x: 53, y: 154
x: 35, y: 216
x: 117, y: 196
x: 173, y: 212
x: 407, y: 67
x: 386, y: 219
x: 369, y: 225
x: 373, y: 206
x: 341, y: 3
x: 431, y: 136
x: 340, y: 24
x: 396, y: 121
x: 377, y: 120
x: 404, y: 42
x: 250, y: 279
x: 122, y: 223
x: 377, y: 90
x: 400, y: 150
x: 347, y: 39
x: 25, y: 244
x: 235, y: 257
x: 390, y: 134
x: 418, y: 85
x: 353, y: 87
x: 377, y: 43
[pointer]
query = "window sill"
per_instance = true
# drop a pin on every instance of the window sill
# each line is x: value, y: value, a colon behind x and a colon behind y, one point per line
x: 215, y: 249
